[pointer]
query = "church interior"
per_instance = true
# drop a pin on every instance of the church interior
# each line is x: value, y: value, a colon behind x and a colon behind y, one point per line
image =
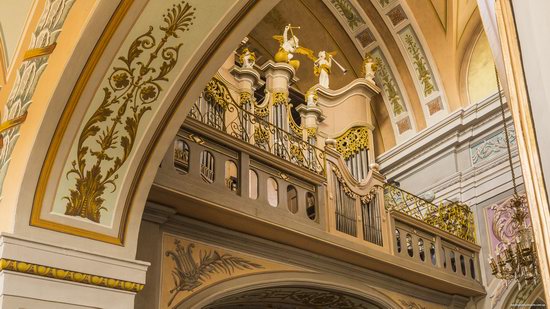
x: 274, y: 154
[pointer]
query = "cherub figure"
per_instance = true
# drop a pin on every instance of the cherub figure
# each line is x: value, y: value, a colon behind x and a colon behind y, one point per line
x: 311, y: 97
x: 247, y: 58
x: 369, y: 68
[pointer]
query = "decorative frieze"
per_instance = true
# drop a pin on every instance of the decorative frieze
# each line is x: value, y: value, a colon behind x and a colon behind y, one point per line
x: 417, y: 56
x: 349, y: 13
x: 68, y: 275
x: 492, y: 145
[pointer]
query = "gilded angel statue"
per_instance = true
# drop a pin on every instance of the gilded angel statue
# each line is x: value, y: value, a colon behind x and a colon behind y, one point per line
x: 288, y: 45
x: 247, y: 58
x: 369, y: 68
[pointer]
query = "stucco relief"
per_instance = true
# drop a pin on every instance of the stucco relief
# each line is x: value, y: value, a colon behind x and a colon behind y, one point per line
x: 501, y: 229
x: 42, y: 44
x: 492, y: 145
x: 189, y: 266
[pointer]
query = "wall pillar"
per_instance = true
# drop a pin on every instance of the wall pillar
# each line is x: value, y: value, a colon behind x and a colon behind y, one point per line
x: 38, y: 275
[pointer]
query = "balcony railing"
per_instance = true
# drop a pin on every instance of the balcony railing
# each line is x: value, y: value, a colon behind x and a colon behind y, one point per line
x: 217, y: 109
x: 454, y: 218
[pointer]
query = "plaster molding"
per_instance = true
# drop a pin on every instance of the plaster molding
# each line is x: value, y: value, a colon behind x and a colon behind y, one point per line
x: 456, y: 126
x: 24, y: 256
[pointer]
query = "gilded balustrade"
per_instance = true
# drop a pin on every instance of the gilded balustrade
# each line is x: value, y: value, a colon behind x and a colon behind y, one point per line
x: 454, y: 218
x: 217, y: 108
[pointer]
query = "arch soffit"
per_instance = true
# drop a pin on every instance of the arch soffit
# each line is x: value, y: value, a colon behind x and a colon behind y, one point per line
x: 281, y: 279
x: 205, y: 46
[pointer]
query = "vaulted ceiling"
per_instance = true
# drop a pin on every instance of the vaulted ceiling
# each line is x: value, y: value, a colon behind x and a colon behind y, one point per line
x: 423, y: 48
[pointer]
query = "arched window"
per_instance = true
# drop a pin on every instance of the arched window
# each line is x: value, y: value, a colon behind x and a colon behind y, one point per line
x: 292, y: 199
x: 432, y: 253
x: 462, y: 265
x: 409, y: 245
x: 421, y: 249
x: 398, y: 240
x: 272, y: 192
x: 472, y: 269
x: 231, y: 178
x: 207, y: 166
x: 252, y: 184
x: 444, y: 257
x: 311, y: 208
x: 453, y: 261
x: 181, y: 156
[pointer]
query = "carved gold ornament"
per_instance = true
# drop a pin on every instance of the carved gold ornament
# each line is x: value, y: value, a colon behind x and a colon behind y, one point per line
x: 311, y: 132
x: 134, y: 86
x: 280, y: 98
x: 219, y: 93
x: 262, y: 112
x: 68, y: 275
x: 245, y: 99
x: 353, y: 141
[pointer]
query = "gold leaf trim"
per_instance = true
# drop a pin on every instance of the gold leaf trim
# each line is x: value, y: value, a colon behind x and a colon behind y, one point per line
x: 353, y: 141
x: 13, y: 122
x: 280, y: 98
x: 39, y: 52
x: 69, y: 275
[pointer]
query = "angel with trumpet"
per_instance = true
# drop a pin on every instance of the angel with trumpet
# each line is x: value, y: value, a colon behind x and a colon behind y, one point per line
x: 322, y: 65
x: 289, y: 45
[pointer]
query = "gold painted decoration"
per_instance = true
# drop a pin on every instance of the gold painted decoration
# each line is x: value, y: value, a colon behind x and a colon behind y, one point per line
x: 385, y: 78
x: 254, y: 128
x: 348, y: 11
x: 39, y: 51
x: 354, y: 140
x: 189, y: 266
x: 262, y: 112
x: 418, y: 58
x: 191, y: 272
x: 296, y: 129
x: 134, y: 86
x: 11, y: 123
x: 68, y: 275
x: 261, y: 136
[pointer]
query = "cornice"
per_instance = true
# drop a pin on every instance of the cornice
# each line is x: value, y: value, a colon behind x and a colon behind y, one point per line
x: 450, y: 131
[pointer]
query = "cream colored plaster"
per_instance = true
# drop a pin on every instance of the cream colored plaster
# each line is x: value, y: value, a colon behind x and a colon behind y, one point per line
x: 481, y: 78
x: 13, y: 17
